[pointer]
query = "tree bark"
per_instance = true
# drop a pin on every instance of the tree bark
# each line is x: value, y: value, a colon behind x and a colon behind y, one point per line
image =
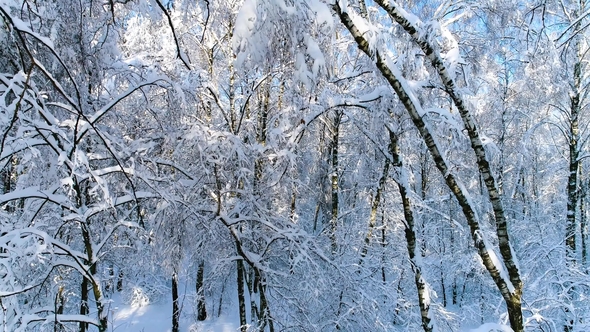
x: 201, y: 308
x: 120, y: 281
x: 576, y: 101
x: 92, y: 282
x: 334, y: 179
x: 404, y: 190
x: 175, y: 304
x: 574, y: 162
x: 241, y: 295
x: 84, y: 310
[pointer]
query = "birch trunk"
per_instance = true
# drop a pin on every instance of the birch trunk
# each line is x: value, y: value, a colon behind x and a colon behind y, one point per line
x: 511, y: 289
x: 573, y: 136
x: 334, y: 179
x: 241, y: 295
x: 404, y: 190
x: 93, y: 283
x: 83, y: 326
x: 574, y: 163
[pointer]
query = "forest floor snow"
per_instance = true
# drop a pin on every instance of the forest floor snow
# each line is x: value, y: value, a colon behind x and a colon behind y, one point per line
x: 157, y: 317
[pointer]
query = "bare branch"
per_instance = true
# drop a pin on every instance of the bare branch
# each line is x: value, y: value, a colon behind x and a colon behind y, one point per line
x: 179, y: 53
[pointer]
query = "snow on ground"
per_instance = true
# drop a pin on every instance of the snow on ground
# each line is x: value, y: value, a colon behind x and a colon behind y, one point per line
x: 144, y: 317
x: 492, y: 327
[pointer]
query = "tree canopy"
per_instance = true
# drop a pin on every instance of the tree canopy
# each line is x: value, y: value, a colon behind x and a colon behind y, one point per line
x: 303, y: 165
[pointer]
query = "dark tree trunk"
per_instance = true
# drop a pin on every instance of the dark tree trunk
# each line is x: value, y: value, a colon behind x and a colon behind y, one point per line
x: 201, y: 308
x: 120, y: 281
x: 334, y: 179
x: 84, y: 304
x: 241, y: 296
x: 175, y: 304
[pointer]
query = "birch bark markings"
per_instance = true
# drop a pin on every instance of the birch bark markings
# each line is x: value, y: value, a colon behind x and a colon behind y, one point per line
x: 201, y: 308
x: 404, y: 190
x: 476, y: 144
x: 334, y: 180
x: 576, y: 99
x: 511, y: 289
x: 577, y: 96
x: 574, y: 164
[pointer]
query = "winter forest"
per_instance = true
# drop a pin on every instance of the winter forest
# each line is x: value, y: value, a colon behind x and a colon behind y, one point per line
x: 294, y: 165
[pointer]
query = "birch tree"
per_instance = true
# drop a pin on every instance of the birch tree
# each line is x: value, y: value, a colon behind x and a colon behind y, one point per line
x: 505, y: 273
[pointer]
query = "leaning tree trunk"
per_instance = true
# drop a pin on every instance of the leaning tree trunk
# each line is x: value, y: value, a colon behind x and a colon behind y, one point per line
x: 510, y: 285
